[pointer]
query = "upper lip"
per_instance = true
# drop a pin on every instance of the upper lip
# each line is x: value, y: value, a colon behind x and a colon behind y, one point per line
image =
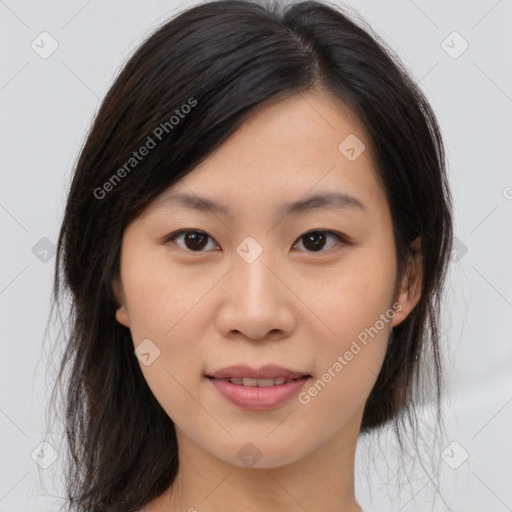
x: 265, y: 372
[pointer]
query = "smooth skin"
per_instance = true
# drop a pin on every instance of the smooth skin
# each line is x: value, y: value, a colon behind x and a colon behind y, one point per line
x: 299, y: 304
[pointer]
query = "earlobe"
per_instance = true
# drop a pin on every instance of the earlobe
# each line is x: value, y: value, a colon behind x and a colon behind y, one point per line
x: 410, y: 290
x: 122, y: 316
x: 121, y: 313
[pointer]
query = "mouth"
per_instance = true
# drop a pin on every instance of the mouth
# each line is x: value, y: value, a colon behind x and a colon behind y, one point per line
x: 260, y: 383
x: 258, y: 389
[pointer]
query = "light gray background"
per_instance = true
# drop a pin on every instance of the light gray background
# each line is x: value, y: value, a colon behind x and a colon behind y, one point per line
x: 46, y: 108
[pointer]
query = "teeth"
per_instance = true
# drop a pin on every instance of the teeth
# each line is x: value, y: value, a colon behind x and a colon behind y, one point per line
x: 262, y: 383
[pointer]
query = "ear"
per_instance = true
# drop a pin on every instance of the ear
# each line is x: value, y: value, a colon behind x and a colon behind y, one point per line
x: 409, y: 292
x: 121, y: 313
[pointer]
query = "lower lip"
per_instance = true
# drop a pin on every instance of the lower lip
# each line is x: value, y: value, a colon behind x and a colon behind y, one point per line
x: 256, y: 398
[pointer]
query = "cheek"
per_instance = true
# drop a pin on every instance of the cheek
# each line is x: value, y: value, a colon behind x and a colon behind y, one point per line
x: 358, y: 292
x: 175, y: 322
x: 354, y: 307
x: 161, y: 298
x: 168, y: 308
x: 163, y: 313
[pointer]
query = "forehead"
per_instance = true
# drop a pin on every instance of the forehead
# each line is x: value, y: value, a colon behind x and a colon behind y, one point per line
x: 287, y: 150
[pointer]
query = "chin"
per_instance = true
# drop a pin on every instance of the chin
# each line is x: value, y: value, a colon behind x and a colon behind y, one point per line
x: 260, y: 453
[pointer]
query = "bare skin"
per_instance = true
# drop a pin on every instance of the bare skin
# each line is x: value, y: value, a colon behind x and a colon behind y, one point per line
x: 206, y: 307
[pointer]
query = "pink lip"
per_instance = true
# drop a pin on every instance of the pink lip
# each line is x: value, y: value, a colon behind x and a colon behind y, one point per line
x: 256, y: 398
x: 253, y: 397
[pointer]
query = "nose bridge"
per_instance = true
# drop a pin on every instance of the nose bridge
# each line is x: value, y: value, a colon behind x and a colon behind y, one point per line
x: 252, y: 271
x: 255, y: 301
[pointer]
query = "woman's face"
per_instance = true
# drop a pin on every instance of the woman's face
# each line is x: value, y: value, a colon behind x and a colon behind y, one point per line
x: 256, y: 285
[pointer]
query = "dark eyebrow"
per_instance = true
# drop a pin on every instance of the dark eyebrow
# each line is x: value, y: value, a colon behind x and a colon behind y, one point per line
x: 317, y: 201
x: 322, y: 200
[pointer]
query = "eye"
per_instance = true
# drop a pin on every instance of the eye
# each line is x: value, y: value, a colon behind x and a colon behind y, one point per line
x: 314, y: 241
x: 193, y: 240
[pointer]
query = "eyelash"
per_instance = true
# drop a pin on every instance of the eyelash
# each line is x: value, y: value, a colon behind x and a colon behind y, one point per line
x: 338, y: 236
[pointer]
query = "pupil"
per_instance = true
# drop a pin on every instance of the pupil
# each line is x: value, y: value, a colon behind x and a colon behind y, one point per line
x: 313, y: 236
x: 196, y: 239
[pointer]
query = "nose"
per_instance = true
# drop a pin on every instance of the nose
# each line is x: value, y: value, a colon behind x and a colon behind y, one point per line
x: 257, y: 302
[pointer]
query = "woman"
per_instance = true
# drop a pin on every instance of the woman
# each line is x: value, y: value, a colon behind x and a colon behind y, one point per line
x: 255, y: 241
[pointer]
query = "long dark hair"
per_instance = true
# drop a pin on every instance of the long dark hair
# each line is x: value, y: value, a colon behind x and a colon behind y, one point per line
x: 186, y: 89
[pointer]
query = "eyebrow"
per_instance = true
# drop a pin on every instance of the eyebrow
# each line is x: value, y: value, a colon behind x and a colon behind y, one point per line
x: 325, y: 200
